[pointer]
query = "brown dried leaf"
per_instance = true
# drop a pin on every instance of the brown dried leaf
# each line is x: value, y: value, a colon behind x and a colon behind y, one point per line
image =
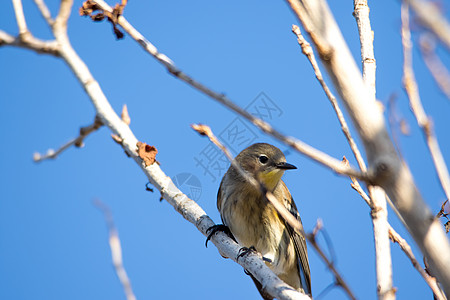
x: 88, y: 8
x: 447, y: 227
x: 125, y: 116
x: 147, y: 153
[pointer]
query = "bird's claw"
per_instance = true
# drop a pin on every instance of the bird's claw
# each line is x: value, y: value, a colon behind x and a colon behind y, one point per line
x: 215, y: 228
x: 244, y: 251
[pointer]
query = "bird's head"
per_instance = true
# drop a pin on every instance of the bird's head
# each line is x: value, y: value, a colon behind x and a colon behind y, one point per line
x: 265, y: 161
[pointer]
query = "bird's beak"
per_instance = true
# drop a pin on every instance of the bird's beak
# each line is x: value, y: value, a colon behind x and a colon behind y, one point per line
x: 285, y: 166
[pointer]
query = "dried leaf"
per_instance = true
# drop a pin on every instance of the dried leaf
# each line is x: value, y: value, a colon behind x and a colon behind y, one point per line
x: 447, y: 226
x: 147, y: 153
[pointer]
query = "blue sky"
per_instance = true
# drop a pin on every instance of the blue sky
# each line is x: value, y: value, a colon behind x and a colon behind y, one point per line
x: 54, y: 241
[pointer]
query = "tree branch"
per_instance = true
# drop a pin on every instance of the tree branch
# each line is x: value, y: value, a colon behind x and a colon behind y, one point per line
x: 20, y: 17
x: 44, y: 11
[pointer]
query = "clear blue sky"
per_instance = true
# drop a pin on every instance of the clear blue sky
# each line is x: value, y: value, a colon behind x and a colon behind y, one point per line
x: 54, y: 242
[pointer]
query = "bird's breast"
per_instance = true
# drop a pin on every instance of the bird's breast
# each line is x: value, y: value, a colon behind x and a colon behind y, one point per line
x: 255, y: 222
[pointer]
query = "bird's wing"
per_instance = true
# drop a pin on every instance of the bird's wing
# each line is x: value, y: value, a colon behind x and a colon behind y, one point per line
x: 299, y: 242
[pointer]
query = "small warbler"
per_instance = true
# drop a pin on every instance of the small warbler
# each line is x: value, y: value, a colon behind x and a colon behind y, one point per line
x: 256, y: 224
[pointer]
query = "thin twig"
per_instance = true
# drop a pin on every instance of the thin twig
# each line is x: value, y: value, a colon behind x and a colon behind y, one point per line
x: 437, y: 69
x: 412, y: 90
x: 431, y: 281
x: 116, y: 250
x: 45, y: 12
x: 297, y: 145
x: 77, y: 142
x: 281, y: 209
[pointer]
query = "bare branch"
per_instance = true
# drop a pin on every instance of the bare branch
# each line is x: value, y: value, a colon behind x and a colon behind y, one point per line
x: 45, y: 12
x: 431, y: 17
x: 116, y: 250
x: 389, y: 169
x: 412, y: 90
x: 77, y: 142
x: 281, y: 209
x: 437, y: 69
x: 20, y: 18
x: 297, y: 145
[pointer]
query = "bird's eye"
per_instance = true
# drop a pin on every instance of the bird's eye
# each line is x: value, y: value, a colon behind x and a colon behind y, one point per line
x: 263, y: 159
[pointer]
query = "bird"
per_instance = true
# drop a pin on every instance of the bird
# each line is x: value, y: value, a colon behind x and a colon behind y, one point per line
x: 254, y: 222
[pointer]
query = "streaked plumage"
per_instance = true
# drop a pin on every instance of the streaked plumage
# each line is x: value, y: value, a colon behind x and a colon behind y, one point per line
x: 255, y: 222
